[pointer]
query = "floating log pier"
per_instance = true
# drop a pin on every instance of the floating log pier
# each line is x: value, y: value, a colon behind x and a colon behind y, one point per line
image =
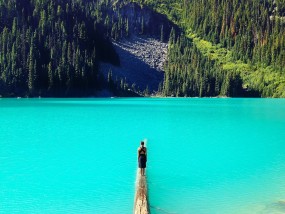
x: 141, y: 197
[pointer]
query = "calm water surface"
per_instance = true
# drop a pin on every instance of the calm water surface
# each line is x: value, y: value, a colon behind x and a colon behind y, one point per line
x: 206, y: 156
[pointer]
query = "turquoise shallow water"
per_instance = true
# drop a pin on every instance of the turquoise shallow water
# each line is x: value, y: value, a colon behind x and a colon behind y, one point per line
x: 206, y: 156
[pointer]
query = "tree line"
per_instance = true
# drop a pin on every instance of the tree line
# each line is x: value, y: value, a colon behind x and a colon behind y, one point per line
x: 189, y: 73
x: 254, y: 32
x: 52, y: 48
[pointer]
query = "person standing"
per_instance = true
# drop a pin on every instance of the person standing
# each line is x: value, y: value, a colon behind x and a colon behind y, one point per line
x: 142, y: 158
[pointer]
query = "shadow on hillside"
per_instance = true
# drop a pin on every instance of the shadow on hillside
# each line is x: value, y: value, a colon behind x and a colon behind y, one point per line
x: 136, y: 69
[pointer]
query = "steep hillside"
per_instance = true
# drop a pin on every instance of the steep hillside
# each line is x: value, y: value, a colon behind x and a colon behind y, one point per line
x: 51, y: 48
x: 59, y: 48
x: 240, y: 38
x: 141, y: 64
x: 140, y: 38
x: 141, y: 47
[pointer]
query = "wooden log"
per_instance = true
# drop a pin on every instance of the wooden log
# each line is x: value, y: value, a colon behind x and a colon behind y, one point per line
x: 141, y: 197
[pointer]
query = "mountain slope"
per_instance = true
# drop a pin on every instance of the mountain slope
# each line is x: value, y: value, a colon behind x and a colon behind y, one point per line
x: 241, y: 38
x: 51, y: 48
x: 141, y: 44
x: 55, y: 48
x: 141, y: 64
x: 77, y: 48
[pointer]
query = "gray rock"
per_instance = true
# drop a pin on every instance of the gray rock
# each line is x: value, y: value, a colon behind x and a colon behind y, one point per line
x: 142, y: 60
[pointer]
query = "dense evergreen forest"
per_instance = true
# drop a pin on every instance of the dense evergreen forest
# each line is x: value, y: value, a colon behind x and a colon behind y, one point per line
x: 52, y: 48
x: 223, y: 48
x: 231, y: 44
x: 189, y: 73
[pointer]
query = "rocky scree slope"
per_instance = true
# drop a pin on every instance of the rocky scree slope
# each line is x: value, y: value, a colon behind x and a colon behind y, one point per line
x: 142, y: 50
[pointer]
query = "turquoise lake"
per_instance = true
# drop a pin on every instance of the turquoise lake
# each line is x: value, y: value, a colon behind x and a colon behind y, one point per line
x: 206, y: 156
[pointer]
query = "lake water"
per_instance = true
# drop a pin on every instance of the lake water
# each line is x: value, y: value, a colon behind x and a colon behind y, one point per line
x: 206, y: 156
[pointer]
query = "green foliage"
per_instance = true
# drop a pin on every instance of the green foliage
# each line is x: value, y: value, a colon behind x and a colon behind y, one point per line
x: 51, y: 48
x: 227, y: 48
x: 189, y: 73
x: 242, y: 37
